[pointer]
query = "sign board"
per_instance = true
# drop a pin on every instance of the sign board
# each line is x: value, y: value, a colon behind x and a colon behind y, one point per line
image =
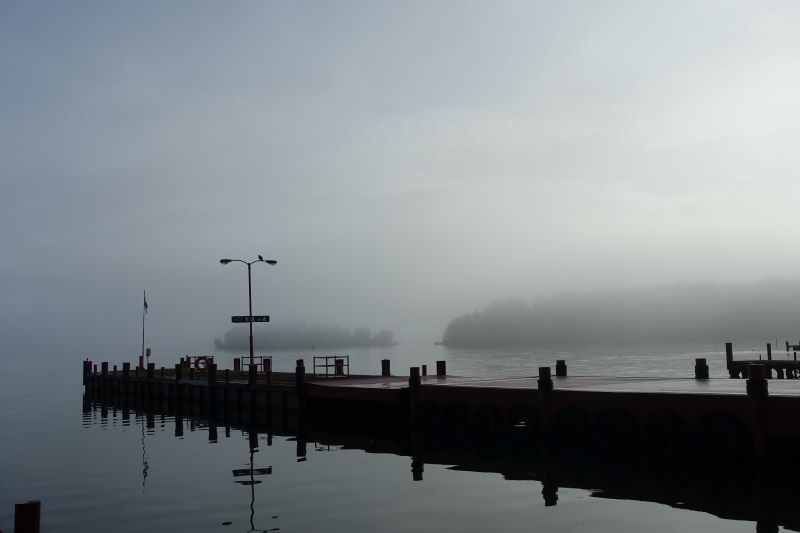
x: 245, y: 319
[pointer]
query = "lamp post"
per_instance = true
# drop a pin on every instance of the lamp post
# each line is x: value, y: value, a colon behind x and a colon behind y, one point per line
x: 250, y: 290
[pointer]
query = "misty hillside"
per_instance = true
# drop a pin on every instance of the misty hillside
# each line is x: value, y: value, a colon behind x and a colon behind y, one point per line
x: 699, y: 312
x: 299, y: 335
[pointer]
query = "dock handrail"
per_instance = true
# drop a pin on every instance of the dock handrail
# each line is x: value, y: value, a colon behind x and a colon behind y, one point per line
x: 339, y: 363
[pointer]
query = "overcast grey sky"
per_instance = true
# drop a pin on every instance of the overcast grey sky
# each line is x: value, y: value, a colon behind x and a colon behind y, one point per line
x: 404, y: 162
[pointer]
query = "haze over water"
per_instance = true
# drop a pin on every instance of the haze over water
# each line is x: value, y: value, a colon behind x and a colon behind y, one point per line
x: 98, y: 472
x: 405, y: 164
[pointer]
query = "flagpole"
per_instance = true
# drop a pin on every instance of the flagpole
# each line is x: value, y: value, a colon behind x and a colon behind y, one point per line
x: 144, y: 311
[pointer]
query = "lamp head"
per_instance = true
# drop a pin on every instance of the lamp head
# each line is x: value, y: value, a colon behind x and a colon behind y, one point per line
x: 225, y: 261
x: 271, y: 262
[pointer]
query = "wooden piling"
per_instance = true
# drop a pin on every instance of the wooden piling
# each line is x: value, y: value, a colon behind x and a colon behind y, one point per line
x: 729, y: 358
x: 545, y: 380
x: 757, y: 381
x: 151, y: 371
x: 237, y: 364
x: 414, y: 382
x: 424, y: 370
x: 700, y: 368
x: 338, y: 366
x: 385, y: 367
x: 758, y: 394
x: 441, y: 368
x: 87, y: 371
x: 299, y: 383
x: 545, y: 386
x: 561, y: 368
x: 104, y: 368
x: 27, y: 517
x: 769, y: 351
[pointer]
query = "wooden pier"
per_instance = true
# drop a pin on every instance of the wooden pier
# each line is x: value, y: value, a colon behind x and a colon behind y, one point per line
x: 716, y: 421
x: 724, y: 487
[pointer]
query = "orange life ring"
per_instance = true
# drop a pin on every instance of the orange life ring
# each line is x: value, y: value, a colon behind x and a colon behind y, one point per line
x: 197, y: 363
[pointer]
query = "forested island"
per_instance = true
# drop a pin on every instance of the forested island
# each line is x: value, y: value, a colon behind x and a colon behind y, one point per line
x: 695, y: 312
x: 298, y: 335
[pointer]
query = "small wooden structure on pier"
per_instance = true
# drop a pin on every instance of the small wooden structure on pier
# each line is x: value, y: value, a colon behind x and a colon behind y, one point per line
x: 781, y: 368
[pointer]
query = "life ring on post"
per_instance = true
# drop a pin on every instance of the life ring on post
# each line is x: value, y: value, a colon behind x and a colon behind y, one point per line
x: 201, y: 363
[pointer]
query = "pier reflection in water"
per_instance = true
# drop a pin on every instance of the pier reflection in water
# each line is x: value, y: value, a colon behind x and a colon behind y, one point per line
x: 764, y: 500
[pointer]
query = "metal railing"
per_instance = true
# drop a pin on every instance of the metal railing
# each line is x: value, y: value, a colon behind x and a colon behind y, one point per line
x: 334, y: 365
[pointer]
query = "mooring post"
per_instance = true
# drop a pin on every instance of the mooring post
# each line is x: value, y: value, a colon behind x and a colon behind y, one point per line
x: 545, y: 381
x: 94, y: 369
x: 299, y: 382
x: 545, y: 389
x: 787, y: 346
x: 757, y: 381
x: 769, y: 351
x: 104, y: 368
x: 795, y: 356
x: 126, y: 376
x: 178, y: 372
x: 237, y: 364
x: 227, y: 376
x: 151, y: 370
x: 758, y: 393
x: 700, y: 368
x: 211, y: 381
x: 386, y: 367
x: 424, y: 370
x: 338, y: 366
x: 414, y: 382
x: 729, y: 359
x: 441, y: 368
x: 87, y: 371
x: 26, y: 517
x: 561, y: 368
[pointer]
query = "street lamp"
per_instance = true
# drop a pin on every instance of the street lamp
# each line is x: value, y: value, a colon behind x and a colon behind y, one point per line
x: 250, y: 290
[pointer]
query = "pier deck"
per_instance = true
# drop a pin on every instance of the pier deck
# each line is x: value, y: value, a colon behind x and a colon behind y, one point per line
x: 587, y: 412
x: 577, y: 383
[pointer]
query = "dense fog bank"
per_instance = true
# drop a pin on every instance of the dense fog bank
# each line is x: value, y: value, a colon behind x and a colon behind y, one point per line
x: 301, y: 336
x: 697, y: 312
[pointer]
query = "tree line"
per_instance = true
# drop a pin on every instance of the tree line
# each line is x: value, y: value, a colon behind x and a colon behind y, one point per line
x: 299, y: 335
x: 692, y: 312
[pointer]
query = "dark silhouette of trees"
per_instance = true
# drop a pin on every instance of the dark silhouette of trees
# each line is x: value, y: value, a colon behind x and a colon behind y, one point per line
x: 697, y: 312
x: 299, y: 335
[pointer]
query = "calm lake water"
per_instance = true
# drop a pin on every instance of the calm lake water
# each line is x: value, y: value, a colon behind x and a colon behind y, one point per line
x: 97, y: 470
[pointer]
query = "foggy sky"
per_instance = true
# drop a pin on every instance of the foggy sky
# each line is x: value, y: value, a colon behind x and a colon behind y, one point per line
x: 404, y: 162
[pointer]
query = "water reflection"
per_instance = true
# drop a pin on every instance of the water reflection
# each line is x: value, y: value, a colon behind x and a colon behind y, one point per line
x: 765, y: 498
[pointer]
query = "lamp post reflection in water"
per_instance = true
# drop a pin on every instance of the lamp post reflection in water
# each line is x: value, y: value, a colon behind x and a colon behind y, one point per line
x: 252, y: 473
